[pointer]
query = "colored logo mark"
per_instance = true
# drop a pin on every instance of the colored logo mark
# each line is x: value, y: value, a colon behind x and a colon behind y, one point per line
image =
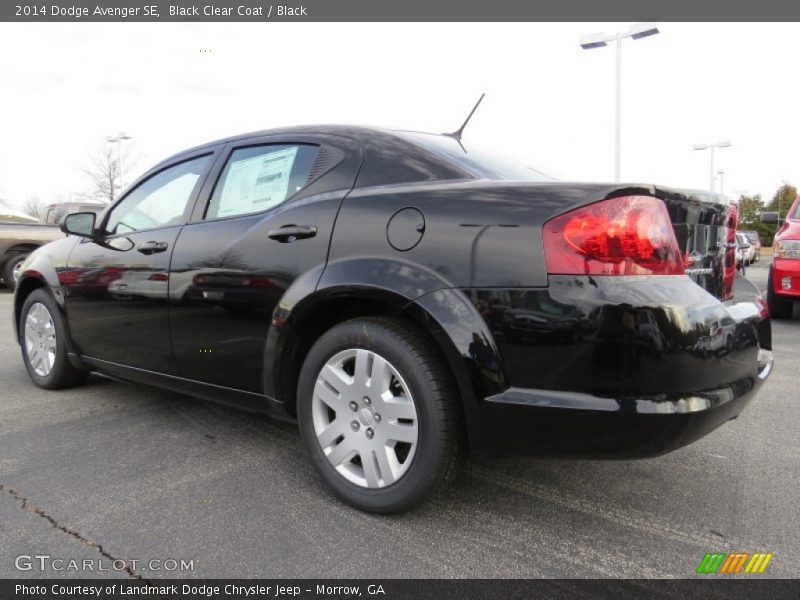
x: 735, y: 562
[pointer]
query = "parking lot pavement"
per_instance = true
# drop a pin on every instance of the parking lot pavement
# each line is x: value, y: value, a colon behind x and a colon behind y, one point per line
x: 148, y: 474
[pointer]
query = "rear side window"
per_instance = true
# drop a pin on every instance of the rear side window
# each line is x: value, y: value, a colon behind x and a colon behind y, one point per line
x: 258, y: 178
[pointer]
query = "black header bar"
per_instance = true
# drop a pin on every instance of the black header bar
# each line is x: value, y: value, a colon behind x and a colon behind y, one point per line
x: 396, y: 10
x: 707, y: 588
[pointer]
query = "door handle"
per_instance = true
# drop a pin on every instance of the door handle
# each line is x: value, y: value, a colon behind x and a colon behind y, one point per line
x: 152, y: 247
x: 290, y: 233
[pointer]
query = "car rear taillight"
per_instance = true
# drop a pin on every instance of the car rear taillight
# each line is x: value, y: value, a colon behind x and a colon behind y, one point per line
x: 731, y: 223
x: 630, y: 235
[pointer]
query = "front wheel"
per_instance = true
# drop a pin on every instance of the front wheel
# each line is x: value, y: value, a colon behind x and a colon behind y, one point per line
x: 378, y: 416
x: 43, y: 337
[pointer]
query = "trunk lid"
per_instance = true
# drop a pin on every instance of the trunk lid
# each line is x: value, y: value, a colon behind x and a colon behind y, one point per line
x: 705, y: 227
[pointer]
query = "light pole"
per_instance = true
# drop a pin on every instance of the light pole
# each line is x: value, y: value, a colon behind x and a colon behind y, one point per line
x: 721, y: 174
x: 118, y: 139
x: 712, y: 147
x: 780, y: 197
x: 599, y: 40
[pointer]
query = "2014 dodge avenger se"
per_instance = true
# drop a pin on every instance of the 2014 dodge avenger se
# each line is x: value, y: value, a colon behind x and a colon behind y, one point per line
x: 406, y: 299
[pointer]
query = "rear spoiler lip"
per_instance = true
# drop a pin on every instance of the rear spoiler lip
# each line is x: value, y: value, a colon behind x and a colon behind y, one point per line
x: 691, y: 195
x: 666, y: 192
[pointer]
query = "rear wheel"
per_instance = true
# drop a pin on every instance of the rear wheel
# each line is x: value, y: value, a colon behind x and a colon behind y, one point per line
x: 43, y: 339
x: 377, y: 415
x: 778, y: 307
x: 12, y: 269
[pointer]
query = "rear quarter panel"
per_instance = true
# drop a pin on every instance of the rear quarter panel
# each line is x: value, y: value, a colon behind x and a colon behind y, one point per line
x: 477, y: 233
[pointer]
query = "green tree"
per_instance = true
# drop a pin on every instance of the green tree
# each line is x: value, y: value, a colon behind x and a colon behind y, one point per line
x: 782, y: 200
x: 750, y: 209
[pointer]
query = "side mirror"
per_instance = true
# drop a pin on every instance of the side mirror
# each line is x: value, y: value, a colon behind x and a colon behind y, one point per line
x: 81, y: 224
x: 770, y: 218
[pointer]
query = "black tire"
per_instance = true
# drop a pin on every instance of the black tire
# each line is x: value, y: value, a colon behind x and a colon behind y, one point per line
x: 62, y: 374
x: 778, y: 308
x: 440, y: 446
x: 8, y: 269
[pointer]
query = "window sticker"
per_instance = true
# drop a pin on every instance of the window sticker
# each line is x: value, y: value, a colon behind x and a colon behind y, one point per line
x: 257, y: 183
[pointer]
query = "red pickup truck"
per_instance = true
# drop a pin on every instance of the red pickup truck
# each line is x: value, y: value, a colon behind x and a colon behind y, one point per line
x: 783, y: 285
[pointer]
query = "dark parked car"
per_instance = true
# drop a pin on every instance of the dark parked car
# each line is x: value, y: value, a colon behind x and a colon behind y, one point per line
x: 379, y: 270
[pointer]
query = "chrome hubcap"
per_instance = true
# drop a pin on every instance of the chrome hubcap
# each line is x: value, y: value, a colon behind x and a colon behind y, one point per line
x: 364, y: 418
x: 40, y: 339
x: 16, y: 271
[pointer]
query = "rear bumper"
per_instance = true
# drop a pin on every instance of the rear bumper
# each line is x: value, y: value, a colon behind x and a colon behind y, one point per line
x: 545, y: 422
x: 651, y: 364
x: 786, y: 271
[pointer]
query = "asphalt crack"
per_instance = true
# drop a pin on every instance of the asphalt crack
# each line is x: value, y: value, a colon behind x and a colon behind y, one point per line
x: 26, y: 505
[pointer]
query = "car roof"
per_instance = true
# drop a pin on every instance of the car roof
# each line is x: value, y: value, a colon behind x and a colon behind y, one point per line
x: 390, y: 156
x: 360, y: 133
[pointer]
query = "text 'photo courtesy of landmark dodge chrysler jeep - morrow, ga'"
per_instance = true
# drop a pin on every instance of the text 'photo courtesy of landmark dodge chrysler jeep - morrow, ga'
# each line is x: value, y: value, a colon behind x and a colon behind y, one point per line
x: 406, y: 299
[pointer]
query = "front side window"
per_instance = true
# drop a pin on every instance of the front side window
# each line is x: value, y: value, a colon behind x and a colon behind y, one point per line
x: 160, y: 201
x: 259, y: 178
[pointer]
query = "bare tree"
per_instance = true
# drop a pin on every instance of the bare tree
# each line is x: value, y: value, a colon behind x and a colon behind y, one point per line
x: 105, y: 169
x: 33, y: 206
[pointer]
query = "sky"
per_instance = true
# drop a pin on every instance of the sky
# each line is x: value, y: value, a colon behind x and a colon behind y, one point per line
x: 65, y: 87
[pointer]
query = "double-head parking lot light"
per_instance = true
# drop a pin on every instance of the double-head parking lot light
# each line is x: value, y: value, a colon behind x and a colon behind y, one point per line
x: 712, y: 147
x: 599, y: 40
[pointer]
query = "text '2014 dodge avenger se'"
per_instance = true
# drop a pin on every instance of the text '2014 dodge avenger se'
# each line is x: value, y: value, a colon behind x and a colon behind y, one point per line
x: 406, y: 298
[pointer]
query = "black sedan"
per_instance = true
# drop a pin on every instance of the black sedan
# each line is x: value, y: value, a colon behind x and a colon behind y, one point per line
x: 405, y: 298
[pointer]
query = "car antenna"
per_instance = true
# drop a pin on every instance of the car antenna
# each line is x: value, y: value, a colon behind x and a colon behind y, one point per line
x: 456, y: 135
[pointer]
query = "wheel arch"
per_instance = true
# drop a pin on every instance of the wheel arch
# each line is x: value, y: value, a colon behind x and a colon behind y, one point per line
x: 445, y: 316
x: 291, y: 337
x: 40, y: 273
x: 19, y: 248
x: 24, y: 288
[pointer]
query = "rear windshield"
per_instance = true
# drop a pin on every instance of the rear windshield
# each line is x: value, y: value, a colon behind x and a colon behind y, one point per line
x: 751, y: 235
x: 480, y: 163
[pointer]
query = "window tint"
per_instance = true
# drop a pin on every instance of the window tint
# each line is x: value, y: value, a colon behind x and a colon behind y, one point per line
x: 260, y: 177
x: 160, y: 201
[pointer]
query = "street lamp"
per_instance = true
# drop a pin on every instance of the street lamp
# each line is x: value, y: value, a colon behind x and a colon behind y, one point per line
x: 599, y: 40
x: 118, y: 139
x: 712, y: 147
x: 721, y: 174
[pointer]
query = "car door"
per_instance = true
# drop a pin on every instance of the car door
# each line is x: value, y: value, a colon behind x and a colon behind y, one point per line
x: 117, y: 296
x: 264, y: 218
